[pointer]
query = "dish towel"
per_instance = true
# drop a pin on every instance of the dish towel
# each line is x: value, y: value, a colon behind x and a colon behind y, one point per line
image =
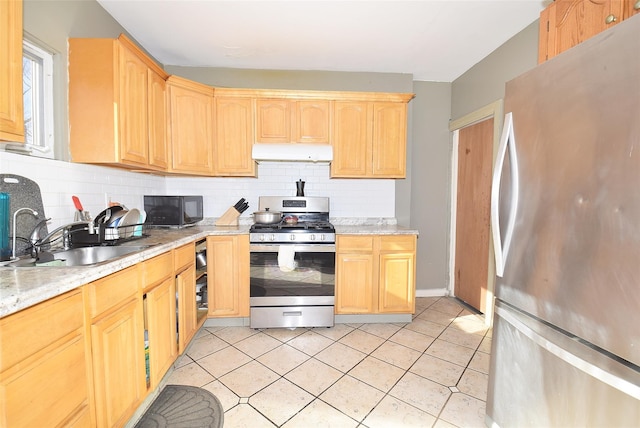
x: 286, y: 254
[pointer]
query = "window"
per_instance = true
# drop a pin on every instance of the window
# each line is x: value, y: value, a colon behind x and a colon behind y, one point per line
x: 37, y: 85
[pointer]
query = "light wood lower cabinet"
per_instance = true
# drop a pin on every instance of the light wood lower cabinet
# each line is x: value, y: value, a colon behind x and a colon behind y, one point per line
x: 117, y: 346
x: 375, y: 274
x: 44, y: 366
x: 160, y: 316
x: 228, y: 275
x: 185, y: 278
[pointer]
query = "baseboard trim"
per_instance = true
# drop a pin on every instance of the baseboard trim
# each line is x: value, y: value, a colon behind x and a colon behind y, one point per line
x: 432, y: 292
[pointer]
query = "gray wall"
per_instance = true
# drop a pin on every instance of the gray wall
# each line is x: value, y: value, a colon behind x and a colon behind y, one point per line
x: 484, y: 83
x: 431, y: 161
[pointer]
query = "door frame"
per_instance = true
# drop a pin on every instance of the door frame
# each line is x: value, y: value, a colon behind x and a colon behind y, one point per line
x: 494, y: 110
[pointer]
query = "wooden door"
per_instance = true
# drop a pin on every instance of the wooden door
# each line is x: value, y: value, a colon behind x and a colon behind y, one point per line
x: 233, y: 137
x: 475, y: 153
x: 11, y: 109
x: 631, y: 7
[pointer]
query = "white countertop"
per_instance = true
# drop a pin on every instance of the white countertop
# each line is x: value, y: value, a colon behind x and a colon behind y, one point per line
x: 27, y: 286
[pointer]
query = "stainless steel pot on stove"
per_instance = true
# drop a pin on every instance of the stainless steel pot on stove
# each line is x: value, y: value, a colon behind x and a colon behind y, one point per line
x: 267, y: 217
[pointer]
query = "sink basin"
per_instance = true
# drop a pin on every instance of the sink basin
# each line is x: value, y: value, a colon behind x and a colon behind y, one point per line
x: 84, y: 256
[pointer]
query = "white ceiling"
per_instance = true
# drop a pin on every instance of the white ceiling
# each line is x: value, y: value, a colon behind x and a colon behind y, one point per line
x: 433, y: 40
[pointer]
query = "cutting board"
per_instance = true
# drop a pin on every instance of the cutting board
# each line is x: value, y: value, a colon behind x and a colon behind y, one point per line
x: 23, y: 193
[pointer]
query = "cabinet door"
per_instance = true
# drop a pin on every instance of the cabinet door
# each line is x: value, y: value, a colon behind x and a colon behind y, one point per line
x: 397, y: 274
x: 43, y: 364
x: 577, y: 20
x: 351, y: 139
x: 233, y: 137
x: 631, y: 7
x: 228, y: 275
x: 311, y: 121
x: 191, y: 130
x: 273, y: 120
x: 11, y: 108
x: 187, y: 315
x: 134, y: 138
x: 356, y: 284
x: 157, y: 106
x: 389, y: 140
x: 161, y: 322
x: 118, y: 364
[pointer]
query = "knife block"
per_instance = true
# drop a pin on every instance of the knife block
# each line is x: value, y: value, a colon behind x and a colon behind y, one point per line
x: 229, y: 218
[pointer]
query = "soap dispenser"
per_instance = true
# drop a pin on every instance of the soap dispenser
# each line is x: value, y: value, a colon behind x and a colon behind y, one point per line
x: 5, y: 248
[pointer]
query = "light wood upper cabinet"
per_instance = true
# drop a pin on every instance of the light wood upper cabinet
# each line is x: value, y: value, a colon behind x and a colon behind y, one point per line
x: 234, y: 136
x: 375, y: 274
x: 565, y: 23
x: 631, y: 7
x: 11, y: 103
x: 191, y: 123
x: 116, y: 111
x: 311, y: 121
x: 228, y: 275
x: 44, y: 366
x: 369, y: 139
x: 158, y: 121
x: 292, y: 121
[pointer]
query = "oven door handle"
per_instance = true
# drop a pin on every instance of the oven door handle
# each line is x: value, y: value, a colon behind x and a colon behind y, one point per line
x: 299, y: 248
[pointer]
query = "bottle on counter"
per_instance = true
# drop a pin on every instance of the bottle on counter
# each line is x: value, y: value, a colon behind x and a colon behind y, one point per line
x: 5, y: 248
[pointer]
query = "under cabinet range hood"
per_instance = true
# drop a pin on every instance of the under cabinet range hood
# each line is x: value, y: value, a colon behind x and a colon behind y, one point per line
x: 292, y: 152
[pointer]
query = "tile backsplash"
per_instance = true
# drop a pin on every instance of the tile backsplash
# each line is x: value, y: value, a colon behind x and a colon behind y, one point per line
x: 97, y: 185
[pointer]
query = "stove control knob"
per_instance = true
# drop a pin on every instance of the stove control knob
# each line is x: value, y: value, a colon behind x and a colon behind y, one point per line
x: 261, y: 237
x: 292, y: 237
x: 312, y: 237
x: 322, y: 237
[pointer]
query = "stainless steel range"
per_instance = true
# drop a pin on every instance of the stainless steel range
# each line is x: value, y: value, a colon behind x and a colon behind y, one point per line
x: 293, y: 265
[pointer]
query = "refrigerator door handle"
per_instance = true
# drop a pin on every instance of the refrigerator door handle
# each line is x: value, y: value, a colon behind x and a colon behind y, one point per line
x: 507, y: 142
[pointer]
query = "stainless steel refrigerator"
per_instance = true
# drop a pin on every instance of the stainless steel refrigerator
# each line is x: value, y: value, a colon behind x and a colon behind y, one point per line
x: 566, y: 229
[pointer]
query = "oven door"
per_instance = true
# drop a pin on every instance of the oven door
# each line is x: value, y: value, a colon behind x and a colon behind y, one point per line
x: 309, y: 280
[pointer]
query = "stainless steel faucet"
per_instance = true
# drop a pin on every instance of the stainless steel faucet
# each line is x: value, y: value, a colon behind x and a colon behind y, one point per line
x: 37, y: 241
x: 15, y: 217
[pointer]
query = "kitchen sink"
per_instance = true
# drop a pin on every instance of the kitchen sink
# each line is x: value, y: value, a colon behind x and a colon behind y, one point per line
x: 85, y: 256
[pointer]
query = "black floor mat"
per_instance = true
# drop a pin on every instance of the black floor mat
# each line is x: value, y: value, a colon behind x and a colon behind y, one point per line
x: 179, y: 406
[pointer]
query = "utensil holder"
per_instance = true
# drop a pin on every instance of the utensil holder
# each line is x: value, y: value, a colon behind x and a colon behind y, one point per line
x: 229, y: 218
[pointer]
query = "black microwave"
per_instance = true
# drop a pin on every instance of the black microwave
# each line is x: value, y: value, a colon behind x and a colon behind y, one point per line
x: 173, y: 211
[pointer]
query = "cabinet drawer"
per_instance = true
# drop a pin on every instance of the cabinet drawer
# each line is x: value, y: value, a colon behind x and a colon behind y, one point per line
x: 158, y: 268
x: 33, y: 329
x: 112, y: 290
x: 184, y: 256
x: 398, y: 243
x: 354, y: 243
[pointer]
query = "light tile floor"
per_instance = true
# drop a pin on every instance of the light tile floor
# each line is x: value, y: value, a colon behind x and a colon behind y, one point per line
x: 431, y: 372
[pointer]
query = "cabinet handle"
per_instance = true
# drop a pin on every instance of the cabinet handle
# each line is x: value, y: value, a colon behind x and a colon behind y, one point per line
x: 611, y: 18
x: 636, y: 5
